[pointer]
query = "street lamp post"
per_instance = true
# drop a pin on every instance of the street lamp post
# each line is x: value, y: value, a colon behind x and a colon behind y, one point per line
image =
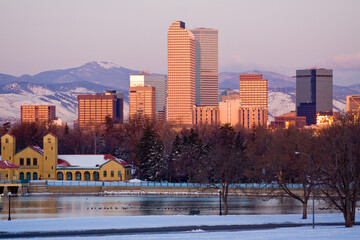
x: 9, y: 195
x: 312, y: 183
x: 220, y: 201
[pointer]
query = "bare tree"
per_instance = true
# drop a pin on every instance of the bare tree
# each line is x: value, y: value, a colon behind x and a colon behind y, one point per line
x: 340, y: 170
x: 280, y: 164
x: 225, y: 161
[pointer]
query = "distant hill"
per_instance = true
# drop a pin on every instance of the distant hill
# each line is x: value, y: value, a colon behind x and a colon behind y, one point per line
x: 63, y: 96
x: 5, y: 79
x: 103, y: 73
x: 275, y: 80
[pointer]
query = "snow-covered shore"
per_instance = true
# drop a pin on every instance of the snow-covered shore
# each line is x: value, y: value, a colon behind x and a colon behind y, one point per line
x: 127, y: 222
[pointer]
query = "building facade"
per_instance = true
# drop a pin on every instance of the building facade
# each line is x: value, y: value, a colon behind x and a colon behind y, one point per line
x: 36, y: 163
x: 353, y: 103
x: 205, y: 115
x: 253, y: 90
x: 94, y: 108
x: 38, y: 113
x: 142, y: 102
x: 229, y: 111
x: 181, y: 73
x: 160, y: 85
x: 206, y: 66
x: 250, y: 117
x: 314, y: 93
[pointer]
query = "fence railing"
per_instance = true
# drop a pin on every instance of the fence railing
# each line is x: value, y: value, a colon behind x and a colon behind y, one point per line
x: 13, y: 181
x: 160, y: 184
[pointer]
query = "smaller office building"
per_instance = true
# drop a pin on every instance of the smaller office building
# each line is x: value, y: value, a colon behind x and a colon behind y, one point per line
x: 353, y: 103
x: 205, y: 115
x: 288, y: 119
x: 38, y: 113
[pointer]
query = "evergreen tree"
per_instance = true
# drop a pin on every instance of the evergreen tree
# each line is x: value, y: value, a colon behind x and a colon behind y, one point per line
x: 149, y: 156
x: 192, y: 151
x: 173, y: 158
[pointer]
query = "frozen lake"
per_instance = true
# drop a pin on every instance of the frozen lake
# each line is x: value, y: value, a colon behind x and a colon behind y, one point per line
x: 63, y: 206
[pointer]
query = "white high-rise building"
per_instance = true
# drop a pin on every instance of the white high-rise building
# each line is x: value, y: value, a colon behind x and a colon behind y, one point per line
x: 159, y: 83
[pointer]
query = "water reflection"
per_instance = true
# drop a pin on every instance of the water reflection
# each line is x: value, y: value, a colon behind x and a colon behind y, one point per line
x: 53, y: 206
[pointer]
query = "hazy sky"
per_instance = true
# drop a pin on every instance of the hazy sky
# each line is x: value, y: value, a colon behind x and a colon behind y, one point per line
x: 275, y: 35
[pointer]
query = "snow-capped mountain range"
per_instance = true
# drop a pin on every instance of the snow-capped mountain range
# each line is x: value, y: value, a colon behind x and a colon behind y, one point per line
x: 61, y: 87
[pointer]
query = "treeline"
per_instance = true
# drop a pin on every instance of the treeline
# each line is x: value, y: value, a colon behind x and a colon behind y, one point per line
x: 220, y: 156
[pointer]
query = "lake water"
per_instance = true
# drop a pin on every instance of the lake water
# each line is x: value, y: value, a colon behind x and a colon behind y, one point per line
x: 56, y: 206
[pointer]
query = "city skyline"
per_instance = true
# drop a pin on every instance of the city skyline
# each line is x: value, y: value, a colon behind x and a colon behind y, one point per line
x: 263, y: 36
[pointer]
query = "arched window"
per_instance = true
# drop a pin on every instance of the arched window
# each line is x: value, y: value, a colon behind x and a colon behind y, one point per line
x: 60, y: 176
x: 96, y: 176
x: 78, y: 176
x: 21, y: 176
x: 87, y: 176
x: 28, y: 176
x: 69, y: 176
x: 35, y: 176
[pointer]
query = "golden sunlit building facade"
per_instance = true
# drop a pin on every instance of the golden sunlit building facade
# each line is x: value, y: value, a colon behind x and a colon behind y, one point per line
x: 142, y: 102
x: 94, y: 108
x: 181, y: 73
x: 253, y: 91
x: 38, y: 113
x: 252, y: 116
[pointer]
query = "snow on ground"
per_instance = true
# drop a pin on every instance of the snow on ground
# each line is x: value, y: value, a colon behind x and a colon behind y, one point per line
x: 295, y: 233
x: 107, y: 65
x: 126, y: 222
x: 339, y: 105
x: 280, y: 103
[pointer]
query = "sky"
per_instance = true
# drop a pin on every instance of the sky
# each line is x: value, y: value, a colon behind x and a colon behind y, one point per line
x: 270, y: 35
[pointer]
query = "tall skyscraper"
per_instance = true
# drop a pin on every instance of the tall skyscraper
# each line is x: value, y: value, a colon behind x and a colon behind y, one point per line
x: 206, y: 66
x: 37, y: 113
x: 314, y: 93
x: 93, y: 108
x: 142, y: 102
x: 181, y: 73
x: 160, y: 85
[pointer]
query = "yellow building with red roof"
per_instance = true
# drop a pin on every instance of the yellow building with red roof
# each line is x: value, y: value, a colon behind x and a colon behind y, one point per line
x: 36, y: 163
